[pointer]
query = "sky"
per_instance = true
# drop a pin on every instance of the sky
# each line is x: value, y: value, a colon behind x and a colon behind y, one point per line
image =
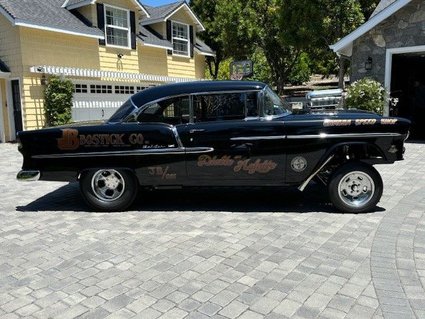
x: 156, y: 3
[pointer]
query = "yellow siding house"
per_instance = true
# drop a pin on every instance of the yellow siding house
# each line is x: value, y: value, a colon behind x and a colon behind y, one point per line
x: 110, y: 49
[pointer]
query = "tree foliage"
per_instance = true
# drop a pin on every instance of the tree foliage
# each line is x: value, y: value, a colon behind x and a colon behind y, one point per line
x: 206, y: 10
x: 58, y: 101
x: 315, y: 25
x: 368, y: 6
x: 287, y: 39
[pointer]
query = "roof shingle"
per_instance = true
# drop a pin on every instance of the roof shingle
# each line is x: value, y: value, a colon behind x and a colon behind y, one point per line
x: 47, y: 14
x: 203, y: 47
x: 52, y: 15
x: 163, y: 11
x: 149, y: 36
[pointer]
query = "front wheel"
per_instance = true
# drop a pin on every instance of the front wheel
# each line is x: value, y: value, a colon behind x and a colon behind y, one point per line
x: 108, y: 190
x: 355, y: 187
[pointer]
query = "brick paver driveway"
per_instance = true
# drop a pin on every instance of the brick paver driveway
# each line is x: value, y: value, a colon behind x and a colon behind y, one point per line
x: 218, y: 254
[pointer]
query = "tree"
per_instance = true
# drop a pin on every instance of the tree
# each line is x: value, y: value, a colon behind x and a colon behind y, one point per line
x: 283, y: 36
x: 206, y: 10
x: 252, y: 27
x: 314, y: 25
x: 368, y: 6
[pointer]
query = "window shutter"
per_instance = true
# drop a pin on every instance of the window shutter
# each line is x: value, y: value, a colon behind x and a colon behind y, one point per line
x: 192, y: 41
x: 101, y: 21
x: 169, y: 35
x: 133, y: 30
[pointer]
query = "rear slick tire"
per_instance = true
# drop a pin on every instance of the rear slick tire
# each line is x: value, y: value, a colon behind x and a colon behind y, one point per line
x: 355, y: 187
x: 109, y: 190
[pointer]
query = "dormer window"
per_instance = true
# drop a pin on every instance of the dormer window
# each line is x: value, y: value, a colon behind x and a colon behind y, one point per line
x: 117, y: 27
x: 181, y: 42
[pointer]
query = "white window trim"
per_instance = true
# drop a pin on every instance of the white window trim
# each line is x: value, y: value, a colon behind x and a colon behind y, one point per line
x: 10, y: 107
x: 117, y: 27
x: 2, y: 132
x: 389, y: 66
x: 188, y: 40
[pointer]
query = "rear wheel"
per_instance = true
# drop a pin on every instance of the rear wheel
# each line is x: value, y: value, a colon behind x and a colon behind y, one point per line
x: 108, y: 190
x: 355, y: 188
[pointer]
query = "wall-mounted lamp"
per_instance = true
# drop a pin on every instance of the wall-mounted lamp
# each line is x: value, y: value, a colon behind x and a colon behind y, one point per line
x: 368, y: 64
x: 120, y: 55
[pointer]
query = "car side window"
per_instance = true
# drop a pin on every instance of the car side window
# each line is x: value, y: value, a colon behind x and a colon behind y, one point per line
x: 224, y: 106
x: 171, y: 111
x: 252, y: 104
x: 273, y: 104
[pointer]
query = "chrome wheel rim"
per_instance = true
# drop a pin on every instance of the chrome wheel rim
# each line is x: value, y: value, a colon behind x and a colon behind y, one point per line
x: 356, y: 189
x: 108, y: 185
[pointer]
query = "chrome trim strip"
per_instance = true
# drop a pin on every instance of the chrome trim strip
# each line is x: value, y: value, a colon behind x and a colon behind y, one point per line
x: 308, y: 180
x: 132, y: 103
x: 189, y: 95
x: 177, y: 137
x: 258, y: 138
x: 348, y: 135
x: 199, y: 150
x: 28, y: 176
x: 258, y: 89
x: 139, y: 152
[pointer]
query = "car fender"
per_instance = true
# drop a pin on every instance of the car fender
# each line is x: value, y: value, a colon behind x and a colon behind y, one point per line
x: 332, y: 155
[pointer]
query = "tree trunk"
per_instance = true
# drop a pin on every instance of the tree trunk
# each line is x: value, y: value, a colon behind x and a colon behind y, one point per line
x: 341, y: 75
x: 213, y: 66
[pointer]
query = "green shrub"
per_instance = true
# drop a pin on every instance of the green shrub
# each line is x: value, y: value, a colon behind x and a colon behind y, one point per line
x: 366, y: 94
x: 58, y: 101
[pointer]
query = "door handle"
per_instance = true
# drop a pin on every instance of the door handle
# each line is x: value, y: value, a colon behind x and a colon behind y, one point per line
x: 197, y: 131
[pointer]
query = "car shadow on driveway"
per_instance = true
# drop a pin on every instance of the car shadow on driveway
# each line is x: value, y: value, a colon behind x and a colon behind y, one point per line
x: 243, y: 200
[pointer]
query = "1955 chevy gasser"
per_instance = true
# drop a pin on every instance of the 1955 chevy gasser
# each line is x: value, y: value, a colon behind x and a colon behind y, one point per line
x: 216, y: 134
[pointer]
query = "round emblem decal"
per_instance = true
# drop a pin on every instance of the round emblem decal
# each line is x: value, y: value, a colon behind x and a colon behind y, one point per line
x: 299, y: 164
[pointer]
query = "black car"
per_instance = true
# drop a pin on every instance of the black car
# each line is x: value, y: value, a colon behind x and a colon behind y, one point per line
x: 230, y: 133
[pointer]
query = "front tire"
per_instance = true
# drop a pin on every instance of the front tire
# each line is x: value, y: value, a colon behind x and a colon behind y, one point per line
x: 108, y: 190
x: 355, y: 187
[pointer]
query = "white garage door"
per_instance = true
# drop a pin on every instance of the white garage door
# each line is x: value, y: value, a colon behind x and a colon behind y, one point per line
x: 98, y: 100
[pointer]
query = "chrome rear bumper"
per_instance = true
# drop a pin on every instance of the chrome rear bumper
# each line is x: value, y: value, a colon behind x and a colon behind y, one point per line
x: 28, y: 176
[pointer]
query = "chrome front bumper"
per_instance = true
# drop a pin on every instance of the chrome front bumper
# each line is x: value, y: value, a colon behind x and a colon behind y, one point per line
x: 28, y: 176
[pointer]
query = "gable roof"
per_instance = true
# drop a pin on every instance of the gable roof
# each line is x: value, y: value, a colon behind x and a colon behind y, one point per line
x: 164, y: 10
x: 382, y: 5
x: 46, y: 15
x: 163, y: 13
x: 151, y: 38
x: 55, y: 15
x: 74, y: 4
x: 385, y: 9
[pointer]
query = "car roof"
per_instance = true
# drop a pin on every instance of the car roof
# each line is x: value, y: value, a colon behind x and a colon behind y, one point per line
x: 162, y: 91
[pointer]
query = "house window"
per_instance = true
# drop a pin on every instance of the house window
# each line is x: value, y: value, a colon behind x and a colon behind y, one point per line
x: 117, y: 25
x: 124, y: 89
x: 180, y: 39
x: 80, y: 88
x: 101, y: 89
x: 140, y: 88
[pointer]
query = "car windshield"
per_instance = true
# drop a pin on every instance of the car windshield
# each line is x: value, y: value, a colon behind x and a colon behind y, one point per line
x: 273, y: 105
x: 123, y: 112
